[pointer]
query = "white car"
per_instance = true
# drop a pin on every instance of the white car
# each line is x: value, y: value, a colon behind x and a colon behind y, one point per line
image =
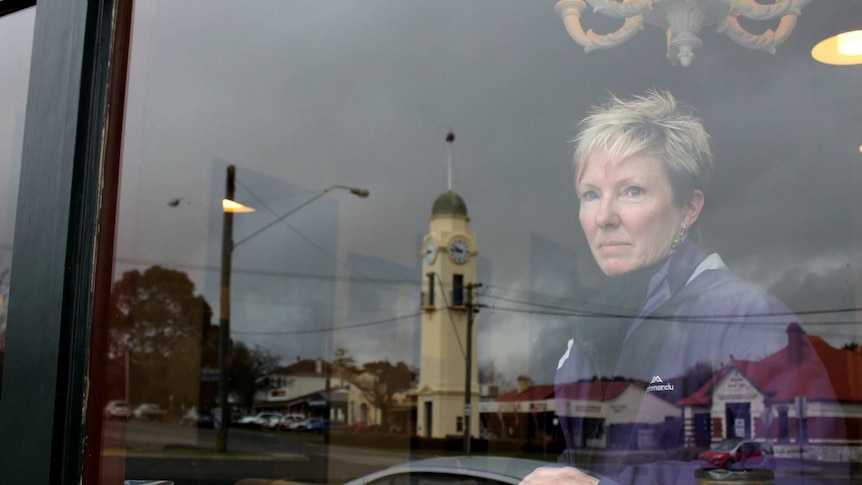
x: 288, y: 419
x: 150, y: 411
x: 487, y: 470
x: 260, y: 419
x: 308, y: 424
x: 197, y: 419
x: 117, y: 409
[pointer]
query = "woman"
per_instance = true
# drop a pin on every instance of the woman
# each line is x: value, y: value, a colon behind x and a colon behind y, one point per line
x: 668, y: 309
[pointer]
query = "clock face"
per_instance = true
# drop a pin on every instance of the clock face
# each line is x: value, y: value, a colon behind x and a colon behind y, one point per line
x: 430, y: 251
x: 459, y: 250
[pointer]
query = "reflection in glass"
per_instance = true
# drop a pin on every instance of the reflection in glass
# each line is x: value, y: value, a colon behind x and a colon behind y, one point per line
x: 348, y: 325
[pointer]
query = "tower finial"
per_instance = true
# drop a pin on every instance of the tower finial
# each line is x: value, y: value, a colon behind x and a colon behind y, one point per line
x: 450, y: 138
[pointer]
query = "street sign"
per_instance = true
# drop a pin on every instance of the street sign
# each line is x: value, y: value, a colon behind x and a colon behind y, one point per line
x: 466, y: 410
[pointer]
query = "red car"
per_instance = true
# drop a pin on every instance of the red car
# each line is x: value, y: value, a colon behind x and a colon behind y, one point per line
x: 738, y: 453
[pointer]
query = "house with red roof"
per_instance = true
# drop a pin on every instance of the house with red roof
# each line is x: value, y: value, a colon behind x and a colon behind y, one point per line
x: 807, y: 394
x: 606, y: 411
x: 313, y: 387
x: 524, y: 412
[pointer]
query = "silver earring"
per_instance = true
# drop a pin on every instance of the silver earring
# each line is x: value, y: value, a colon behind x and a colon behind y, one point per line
x: 680, y: 236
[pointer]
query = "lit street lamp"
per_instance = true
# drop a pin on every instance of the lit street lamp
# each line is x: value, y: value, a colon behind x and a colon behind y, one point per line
x: 229, y: 207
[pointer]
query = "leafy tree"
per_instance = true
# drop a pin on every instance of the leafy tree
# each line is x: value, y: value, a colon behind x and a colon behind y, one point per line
x: 248, y: 371
x: 158, y: 325
x: 380, y: 381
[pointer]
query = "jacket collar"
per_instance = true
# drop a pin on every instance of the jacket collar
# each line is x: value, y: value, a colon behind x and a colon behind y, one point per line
x: 669, y: 280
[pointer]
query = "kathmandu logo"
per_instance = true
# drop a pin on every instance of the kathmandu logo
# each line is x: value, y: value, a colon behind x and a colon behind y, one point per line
x: 656, y: 384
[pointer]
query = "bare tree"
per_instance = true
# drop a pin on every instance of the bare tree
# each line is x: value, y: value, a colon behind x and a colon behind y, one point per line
x: 490, y: 374
x: 343, y: 359
x: 852, y: 347
x: 249, y: 372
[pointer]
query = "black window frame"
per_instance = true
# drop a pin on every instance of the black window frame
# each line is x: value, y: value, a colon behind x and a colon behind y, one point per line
x: 66, y: 207
x: 12, y: 6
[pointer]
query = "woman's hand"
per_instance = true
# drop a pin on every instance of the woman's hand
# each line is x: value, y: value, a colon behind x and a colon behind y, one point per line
x: 566, y: 475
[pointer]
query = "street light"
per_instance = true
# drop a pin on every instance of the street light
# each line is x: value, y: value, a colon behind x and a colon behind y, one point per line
x: 361, y: 193
x: 229, y: 207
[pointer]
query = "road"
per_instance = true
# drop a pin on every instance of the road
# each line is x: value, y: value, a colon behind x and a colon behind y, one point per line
x: 186, y: 455
x: 170, y: 452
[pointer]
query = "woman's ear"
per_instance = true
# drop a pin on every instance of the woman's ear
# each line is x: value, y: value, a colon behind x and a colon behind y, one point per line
x: 692, y: 208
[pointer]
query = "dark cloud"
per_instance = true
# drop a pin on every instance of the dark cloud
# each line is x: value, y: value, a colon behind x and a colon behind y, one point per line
x: 311, y: 94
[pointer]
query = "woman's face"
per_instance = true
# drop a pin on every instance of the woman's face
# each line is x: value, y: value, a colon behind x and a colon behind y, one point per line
x: 628, y: 212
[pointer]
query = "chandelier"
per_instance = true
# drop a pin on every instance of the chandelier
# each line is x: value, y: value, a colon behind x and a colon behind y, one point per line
x: 682, y: 21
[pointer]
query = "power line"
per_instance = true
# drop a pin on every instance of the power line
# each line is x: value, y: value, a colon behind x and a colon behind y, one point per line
x: 305, y: 238
x: 332, y: 329
x: 439, y: 281
x: 749, y: 319
x: 604, y: 311
x: 529, y: 303
x: 533, y: 295
x: 273, y: 274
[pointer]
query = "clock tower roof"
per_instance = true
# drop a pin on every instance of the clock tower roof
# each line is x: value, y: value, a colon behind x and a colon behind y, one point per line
x: 449, y: 203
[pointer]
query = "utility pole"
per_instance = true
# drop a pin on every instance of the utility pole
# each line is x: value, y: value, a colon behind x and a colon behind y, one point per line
x: 224, y: 314
x: 468, y: 394
x: 229, y: 206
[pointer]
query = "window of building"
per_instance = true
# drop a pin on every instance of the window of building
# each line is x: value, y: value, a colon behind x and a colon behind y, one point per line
x: 458, y: 297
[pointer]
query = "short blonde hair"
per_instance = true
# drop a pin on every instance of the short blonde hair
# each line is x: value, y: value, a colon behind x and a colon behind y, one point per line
x: 653, y: 123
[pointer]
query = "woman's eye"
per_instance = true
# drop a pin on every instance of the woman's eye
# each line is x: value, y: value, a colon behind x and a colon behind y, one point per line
x: 590, y: 195
x: 636, y: 191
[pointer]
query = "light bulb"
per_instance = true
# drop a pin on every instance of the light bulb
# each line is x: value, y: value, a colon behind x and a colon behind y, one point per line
x: 850, y: 43
x: 233, y: 206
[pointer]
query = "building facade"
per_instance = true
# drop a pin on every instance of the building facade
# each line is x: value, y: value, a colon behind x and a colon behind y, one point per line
x: 449, y: 266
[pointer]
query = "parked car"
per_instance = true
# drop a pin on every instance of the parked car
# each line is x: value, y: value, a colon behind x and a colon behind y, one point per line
x: 289, y: 419
x: 271, y: 421
x: 488, y: 470
x: 235, y: 417
x: 260, y: 419
x: 740, y: 453
x: 117, y: 409
x: 196, y: 419
x: 150, y: 411
x: 320, y: 424
x: 307, y: 424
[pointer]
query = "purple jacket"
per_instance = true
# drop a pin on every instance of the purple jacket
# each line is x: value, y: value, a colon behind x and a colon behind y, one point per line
x: 696, y: 313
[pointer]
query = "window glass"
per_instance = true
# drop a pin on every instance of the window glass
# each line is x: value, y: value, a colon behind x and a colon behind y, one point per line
x: 428, y: 478
x: 404, y: 203
x: 16, y: 36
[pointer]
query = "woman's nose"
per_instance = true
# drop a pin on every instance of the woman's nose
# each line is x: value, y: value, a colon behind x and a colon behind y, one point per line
x: 607, y: 215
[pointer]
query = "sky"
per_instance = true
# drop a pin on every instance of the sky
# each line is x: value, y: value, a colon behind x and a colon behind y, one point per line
x: 301, y: 96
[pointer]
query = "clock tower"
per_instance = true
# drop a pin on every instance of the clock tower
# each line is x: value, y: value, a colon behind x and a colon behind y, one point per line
x: 448, y: 266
